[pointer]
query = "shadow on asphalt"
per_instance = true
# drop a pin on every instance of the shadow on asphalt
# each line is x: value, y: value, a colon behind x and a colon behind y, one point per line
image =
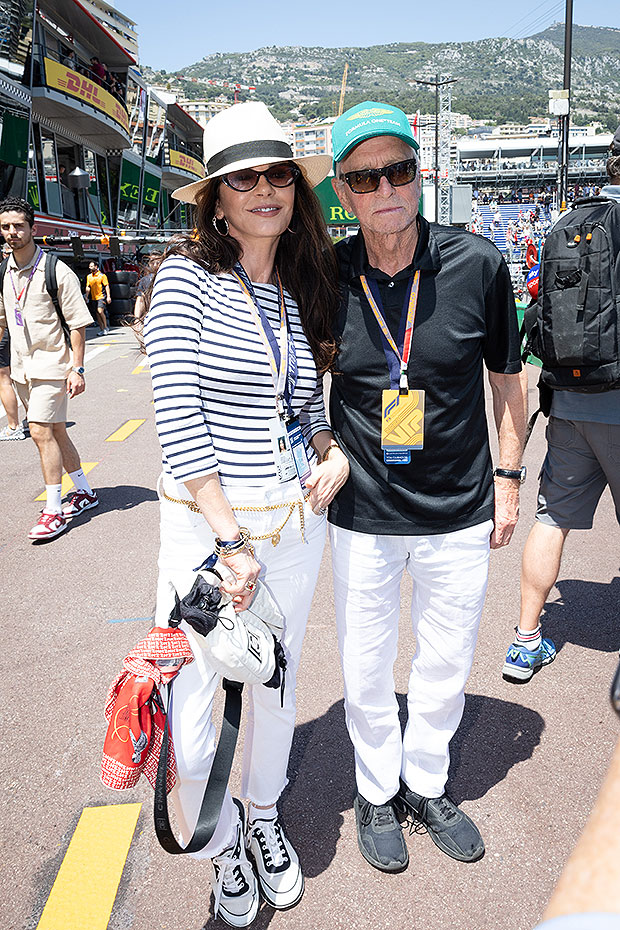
x: 587, y: 615
x: 493, y: 736
x: 122, y: 497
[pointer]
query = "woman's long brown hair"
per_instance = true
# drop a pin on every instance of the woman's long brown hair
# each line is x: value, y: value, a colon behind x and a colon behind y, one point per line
x: 305, y: 260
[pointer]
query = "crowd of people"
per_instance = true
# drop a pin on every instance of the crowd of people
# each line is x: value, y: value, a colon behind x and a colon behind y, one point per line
x: 513, y: 234
x: 243, y: 318
x: 96, y: 70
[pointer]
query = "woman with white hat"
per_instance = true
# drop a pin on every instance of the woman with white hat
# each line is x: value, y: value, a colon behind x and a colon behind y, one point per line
x: 238, y: 334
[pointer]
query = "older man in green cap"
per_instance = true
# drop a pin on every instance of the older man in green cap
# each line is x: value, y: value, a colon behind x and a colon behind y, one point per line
x: 425, y: 309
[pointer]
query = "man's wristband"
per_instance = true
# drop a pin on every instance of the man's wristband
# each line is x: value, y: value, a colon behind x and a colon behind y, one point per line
x: 517, y: 474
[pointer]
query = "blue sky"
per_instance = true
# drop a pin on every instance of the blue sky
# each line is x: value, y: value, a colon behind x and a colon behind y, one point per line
x: 174, y: 34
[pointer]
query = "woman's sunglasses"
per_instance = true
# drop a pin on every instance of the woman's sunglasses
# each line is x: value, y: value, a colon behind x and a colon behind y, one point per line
x: 247, y: 178
x: 368, y: 179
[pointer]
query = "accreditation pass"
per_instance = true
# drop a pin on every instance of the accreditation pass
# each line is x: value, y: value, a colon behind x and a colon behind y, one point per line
x: 402, y: 425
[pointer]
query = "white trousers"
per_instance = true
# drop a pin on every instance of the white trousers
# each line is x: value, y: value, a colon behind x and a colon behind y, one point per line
x: 449, y: 575
x: 290, y: 571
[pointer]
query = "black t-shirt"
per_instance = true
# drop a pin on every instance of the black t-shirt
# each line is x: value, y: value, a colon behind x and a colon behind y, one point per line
x: 465, y: 316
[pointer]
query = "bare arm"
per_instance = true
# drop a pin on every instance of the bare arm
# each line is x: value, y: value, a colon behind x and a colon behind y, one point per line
x: 591, y: 878
x: 107, y: 293
x: 76, y: 383
x: 510, y: 413
x: 139, y: 309
x: 208, y: 494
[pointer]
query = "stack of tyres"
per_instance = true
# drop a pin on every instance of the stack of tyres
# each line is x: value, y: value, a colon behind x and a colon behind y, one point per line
x: 122, y: 292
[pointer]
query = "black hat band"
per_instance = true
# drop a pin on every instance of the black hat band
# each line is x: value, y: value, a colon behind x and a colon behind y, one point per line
x: 264, y: 149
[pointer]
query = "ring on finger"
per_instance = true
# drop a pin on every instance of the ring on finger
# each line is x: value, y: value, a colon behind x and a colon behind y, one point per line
x: 250, y: 585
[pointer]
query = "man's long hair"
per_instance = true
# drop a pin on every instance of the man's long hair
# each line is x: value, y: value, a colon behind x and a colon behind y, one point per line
x: 305, y: 260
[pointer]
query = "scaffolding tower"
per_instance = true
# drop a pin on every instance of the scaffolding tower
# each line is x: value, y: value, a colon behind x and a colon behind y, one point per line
x: 446, y: 169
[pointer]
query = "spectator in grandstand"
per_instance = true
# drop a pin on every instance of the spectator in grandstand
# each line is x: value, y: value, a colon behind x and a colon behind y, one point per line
x: 511, y: 239
x: 98, y: 70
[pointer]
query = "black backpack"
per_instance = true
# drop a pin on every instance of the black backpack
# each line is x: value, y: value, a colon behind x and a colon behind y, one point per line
x: 51, y: 285
x: 574, y: 327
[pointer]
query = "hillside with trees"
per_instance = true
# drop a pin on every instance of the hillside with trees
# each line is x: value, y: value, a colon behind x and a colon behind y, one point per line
x: 498, y: 80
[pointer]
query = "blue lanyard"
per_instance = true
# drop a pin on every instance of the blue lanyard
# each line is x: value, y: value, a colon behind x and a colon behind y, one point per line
x: 283, y: 363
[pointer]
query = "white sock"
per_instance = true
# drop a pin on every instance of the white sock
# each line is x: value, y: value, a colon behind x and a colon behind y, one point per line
x: 54, y: 498
x: 80, y: 481
x: 531, y: 639
x: 260, y: 813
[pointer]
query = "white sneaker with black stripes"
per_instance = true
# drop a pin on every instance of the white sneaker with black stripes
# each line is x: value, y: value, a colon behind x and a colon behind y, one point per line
x: 277, y: 864
x: 234, y: 882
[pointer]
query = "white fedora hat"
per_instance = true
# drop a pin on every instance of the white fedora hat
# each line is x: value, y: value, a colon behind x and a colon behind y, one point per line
x: 244, y: 136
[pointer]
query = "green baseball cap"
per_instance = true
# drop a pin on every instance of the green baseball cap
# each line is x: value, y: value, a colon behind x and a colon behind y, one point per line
x: 365, y: 121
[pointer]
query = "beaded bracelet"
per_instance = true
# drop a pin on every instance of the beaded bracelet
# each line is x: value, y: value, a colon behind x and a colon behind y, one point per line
x: 224, y: 550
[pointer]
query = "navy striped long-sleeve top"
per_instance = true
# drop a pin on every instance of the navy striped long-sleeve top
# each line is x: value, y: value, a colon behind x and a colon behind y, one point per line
x: 212, y: 382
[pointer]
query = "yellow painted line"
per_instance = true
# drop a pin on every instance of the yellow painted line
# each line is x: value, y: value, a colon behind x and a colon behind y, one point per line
x: 122, y: 391
x: 125, y: 430
x: 142, y: 365
x: 85, y: 888
x: 66, y: 481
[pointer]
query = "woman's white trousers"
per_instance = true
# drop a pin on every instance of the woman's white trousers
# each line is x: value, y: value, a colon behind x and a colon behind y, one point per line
x: 290, y: 571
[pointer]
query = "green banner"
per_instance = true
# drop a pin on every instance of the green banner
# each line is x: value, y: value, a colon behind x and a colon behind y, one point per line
x: 333, y: 211
x: 130, y: 182
x: 150, y: 193
x: 14, y: 140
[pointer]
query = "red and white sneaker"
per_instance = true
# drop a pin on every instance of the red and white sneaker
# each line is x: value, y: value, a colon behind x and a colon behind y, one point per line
x: 48, y: 526
x: 78, y: 501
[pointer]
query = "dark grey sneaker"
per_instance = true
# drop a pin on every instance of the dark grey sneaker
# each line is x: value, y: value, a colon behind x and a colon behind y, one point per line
x: 380, y: 836
x: 449, y: 828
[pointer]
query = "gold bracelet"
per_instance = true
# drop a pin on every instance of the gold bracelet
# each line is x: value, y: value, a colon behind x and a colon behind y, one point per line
x: 325, y: 455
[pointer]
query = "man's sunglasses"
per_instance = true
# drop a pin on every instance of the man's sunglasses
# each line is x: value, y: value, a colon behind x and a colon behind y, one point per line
x: 367, y: 180
x: 247, y: 178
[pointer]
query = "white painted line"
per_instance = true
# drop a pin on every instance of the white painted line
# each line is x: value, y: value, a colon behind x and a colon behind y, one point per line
x: 92, y: 353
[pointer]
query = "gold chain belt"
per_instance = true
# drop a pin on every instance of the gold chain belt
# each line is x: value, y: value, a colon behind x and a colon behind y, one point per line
x: 267, y: 508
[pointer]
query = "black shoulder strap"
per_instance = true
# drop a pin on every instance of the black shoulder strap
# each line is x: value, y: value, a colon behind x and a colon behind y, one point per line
x: 213, y: 797
x: 51, y: 285
x: 3, y: 267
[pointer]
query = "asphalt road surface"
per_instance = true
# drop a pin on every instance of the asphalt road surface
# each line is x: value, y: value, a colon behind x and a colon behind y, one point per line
x: 527, y: 761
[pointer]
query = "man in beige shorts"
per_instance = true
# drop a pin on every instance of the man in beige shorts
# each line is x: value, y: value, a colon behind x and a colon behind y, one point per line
x: 47, y: 367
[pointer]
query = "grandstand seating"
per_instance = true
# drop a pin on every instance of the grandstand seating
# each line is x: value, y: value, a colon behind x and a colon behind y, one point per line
x: 509, y: 211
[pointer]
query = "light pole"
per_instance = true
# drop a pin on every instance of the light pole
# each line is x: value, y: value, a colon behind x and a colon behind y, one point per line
x: 565, y: 119
x: 437, y: 83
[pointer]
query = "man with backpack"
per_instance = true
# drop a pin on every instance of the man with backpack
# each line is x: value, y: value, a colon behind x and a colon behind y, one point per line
x: 46, y: 317
x: 575, y: 331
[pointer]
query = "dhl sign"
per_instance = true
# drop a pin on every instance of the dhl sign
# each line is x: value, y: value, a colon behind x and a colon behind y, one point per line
x: 186, y: 163
x: 59, y: 77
